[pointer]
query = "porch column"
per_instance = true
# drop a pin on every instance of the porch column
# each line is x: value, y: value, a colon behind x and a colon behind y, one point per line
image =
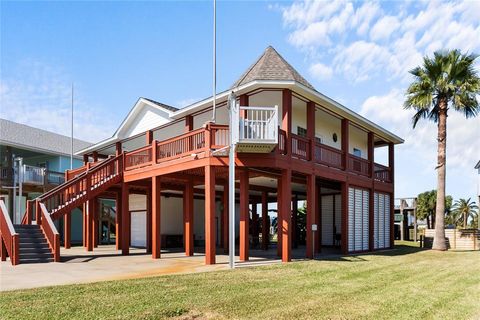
x: 125, y: 220
x: 188, y: 123
x: 311, y: 128
x: 344, y: 236
x: 244, y: 216
x: 286, y: 124
x: 148, y: 137
x: 188, y: 218
x: 225, y: 221
x: 155, y: 207
x: 149, y: 221
x: 118, y: 148
x: 255, y: 225
x: 318, y: 219
x: 286, y: 214
x: 67, y: 228
x: 345, y: 143
x: 279, y: 216
x: 209, y: 214
x: 84, y: 224
x: 118, y: 221
x: 265, y: 221
x: 391, y: 165
x: 243, y: 102
x: 311, y: 214
x: 294, y: 221
x: 90, y: 224
x: 371, y: 154
x: 95, y: 222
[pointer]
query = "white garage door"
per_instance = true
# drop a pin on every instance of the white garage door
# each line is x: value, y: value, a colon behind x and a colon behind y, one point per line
x: 357, y: 219
x: 381, y: 215
x: 139, y: 229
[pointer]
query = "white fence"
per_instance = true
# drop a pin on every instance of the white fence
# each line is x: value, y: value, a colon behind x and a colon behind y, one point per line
x: 258, y: 124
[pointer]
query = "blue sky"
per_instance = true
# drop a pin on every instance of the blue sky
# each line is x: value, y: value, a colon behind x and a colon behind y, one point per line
x: 355, y: 52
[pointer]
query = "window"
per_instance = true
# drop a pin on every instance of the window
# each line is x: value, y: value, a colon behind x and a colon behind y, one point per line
x: 318, y: 139
x: 357, y: 152
x: 302, y: 132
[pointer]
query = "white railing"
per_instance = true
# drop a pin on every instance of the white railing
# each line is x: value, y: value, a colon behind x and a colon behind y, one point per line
x: 33, y: 175
x: 258, y: 124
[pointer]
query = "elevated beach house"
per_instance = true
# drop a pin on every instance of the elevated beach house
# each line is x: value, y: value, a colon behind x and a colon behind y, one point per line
x: 166, y: 169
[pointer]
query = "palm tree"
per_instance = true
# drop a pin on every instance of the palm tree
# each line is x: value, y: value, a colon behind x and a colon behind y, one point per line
x: 446, y: 81
x: 463, y: 210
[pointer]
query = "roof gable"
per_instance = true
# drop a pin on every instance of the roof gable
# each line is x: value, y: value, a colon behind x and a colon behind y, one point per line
x: 271, y: 66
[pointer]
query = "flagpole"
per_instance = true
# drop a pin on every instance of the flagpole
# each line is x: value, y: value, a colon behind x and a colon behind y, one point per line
x: 71, y: 132
x: 214, y: 94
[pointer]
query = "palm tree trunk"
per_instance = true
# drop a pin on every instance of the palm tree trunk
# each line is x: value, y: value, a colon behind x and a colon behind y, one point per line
x: 465, y: 218
x: 439, y: 242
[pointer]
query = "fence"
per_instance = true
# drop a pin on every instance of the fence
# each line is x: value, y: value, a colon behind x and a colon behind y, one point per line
x: 466, y: 239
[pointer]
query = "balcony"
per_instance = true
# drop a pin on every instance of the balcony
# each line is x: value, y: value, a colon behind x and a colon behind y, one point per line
x: 32, y: 175
x: 258, y: 129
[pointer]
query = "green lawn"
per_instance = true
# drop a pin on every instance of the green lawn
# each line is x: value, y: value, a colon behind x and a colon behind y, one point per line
x: 406, y: 283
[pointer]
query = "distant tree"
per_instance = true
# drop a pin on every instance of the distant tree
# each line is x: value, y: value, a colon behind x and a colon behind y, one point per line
x: 448, y: 81
x: 462, y: 210
x: 426, y: 206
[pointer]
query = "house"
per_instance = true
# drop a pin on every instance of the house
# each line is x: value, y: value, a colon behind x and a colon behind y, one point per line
x: 34, y: 160
x: 166, y: 170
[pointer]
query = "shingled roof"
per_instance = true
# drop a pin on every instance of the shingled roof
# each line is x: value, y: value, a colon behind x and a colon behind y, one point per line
x: 271, y: 66
x: 23, y: 136
x: 163, y: 105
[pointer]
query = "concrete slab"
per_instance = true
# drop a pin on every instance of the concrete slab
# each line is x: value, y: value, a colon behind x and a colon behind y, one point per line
x: 106, y: 263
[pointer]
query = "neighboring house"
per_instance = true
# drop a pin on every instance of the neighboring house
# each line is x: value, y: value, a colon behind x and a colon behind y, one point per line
x: 166, y: 170
x: 406, y: 222
x: 34, y: 160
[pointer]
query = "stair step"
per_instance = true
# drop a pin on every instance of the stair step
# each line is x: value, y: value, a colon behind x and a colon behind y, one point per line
x: 36, y: 255
x: 41, y: 241
x: 31, y: 250
x: 36, y: 260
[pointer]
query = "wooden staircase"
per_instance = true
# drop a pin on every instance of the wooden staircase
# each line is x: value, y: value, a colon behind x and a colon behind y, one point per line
x: 60, y: 201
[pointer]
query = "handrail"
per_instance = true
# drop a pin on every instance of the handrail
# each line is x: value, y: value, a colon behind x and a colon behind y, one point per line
x: 300, y: 147
x: 328, y: 155
x: 51, y: 233
x: 8, y: 236
x: 358, y: 165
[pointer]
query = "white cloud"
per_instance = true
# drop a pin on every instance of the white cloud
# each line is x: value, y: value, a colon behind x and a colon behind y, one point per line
x: 40, y: 96
x: 399, y: 37
x: 384, y: 28
x: 321, y: 71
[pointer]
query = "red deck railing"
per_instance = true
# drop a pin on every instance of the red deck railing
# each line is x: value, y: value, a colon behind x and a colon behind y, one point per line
x: 300, y: 147
x: 328, y: 156
x: 49, y: 230
x: 181, y: 146
x: 358, y: 165
x: 382, y: 173
x: 282, y: 141
x: 8, y: 236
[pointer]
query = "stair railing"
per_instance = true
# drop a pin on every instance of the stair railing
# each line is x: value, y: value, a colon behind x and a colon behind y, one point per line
x: 49, y: 230
x: 9, y: 239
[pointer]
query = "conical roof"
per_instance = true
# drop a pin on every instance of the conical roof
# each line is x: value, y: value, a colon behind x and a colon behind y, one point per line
x: 271, y: 66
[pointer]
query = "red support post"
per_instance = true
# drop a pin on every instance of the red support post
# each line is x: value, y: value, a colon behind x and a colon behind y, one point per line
x: 391, y: 165
x: 84, y: 225
x: 156, y: 218
x: 89, y: 228
x: 311, y: 215
x: 188, y: 218
x: 244, y: 216
x: 344, y: 239
x: 125, y: 220
x: 311, y: 128
x: 265, y: 221
x: 287, y: 118
x: 209, y: 214
x: 371, y: 155
x: 118, y: 221
x: 96, y: 203
x: 95, y: 156
x: 149, y: 222
x: 67, y: 227
x: 225, y: 221
x: 118, y: 148
x: 188, y: 123
x: 318, y: 219
x: 279, y: 215
x: 345, y: 142
x: 286, y: 215
x: 148, y: 137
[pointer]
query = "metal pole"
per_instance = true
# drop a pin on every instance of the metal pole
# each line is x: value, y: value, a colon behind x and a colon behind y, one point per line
x: 15, y: 178
x: 231, y: 183
x: 20, y: 191
x: 214, y: 95
x: 71, y: 146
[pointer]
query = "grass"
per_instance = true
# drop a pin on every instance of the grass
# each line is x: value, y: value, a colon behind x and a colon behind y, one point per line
x: 406, y: 283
